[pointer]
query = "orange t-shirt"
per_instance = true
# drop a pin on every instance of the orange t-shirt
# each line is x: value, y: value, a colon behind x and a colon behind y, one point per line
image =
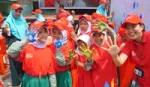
x: 37, y: 61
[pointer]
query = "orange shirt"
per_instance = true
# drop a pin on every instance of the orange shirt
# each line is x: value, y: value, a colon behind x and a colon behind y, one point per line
x: 37, y: 61
x: 62, y: 14
x: 142, y: 61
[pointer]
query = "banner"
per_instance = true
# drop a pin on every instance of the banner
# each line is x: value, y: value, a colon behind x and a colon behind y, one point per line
x: 124, y: 7
x: 70, y: 4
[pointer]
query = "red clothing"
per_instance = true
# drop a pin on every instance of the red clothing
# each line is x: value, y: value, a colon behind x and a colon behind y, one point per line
x: 128, y: 66
x: 37, y: 61
x: 49, y: 3
x: 63, y: 14
x: 142, y: 61
x: 84, y: 77
x: 65, y: 50
x: 103, y: 69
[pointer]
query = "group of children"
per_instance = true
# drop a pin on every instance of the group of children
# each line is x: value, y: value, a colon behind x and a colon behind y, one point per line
x: 54, y: 55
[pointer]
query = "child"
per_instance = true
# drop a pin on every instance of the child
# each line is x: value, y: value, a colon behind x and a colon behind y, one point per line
x: 38, y: 60
x: 61, y: 46
x: 38, y: 14
x: 84, y: 25
x: 84, y: 76
x: 103, y: 64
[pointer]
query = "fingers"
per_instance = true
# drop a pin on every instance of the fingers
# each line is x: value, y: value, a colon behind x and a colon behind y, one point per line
x: 115, y: 39
x: 104, y: 48
x: 111, y: 43
x: 108, y: 43
x: 122, y: 46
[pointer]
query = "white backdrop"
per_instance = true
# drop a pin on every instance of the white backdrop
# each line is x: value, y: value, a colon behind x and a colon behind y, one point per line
x: 124, y: 7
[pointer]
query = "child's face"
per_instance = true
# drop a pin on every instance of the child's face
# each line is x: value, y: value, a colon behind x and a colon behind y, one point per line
x: 98, y: 38
x: 42, y: 35
x: 83, y: 25
x: 56, y: 33
x: 80, y: 44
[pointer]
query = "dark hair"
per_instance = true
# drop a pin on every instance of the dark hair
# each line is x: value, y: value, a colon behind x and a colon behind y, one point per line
x: 141, y: 24
x: 61, y: 6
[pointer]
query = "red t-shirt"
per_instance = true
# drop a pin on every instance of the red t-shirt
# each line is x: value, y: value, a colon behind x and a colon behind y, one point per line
x: 142, y: 60
x: 63, y: 14
x: 37, y: 61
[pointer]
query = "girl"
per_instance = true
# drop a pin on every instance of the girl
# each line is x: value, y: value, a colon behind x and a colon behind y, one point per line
x: 84, y: 26
x: 61, y: 46
x: 84, y: 76
x: 38, y: 60
x: 14, y: 28
x: 135, y: 49
x: 102, y: 62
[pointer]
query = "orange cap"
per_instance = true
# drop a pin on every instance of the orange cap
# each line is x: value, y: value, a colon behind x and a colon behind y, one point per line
x: 99, y: 17
x: 36, y: 25
x: 133, y: 19
x: 37, y: 11
x: 112, y: 24
x: 61, y: 23
x: 86, y: 16
x: 16, y: 6
x: 121, y: 31
x: 103, y: 2
x: 1, y: 17
x: 49, y: 23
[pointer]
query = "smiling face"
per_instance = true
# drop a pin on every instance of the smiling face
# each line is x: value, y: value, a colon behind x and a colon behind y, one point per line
x: 134, y: 31
x: 56, y: 33
x: 98, y: 38
x: 42, y: 35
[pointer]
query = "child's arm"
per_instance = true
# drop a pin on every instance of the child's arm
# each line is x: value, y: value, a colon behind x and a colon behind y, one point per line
x: 15, y: 49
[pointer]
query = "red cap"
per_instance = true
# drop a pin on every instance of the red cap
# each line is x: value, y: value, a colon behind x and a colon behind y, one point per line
x: 121, y: 31
x: 99, y: 17
x: 36, y: 25
x: 37, y: 11
x: 133, y: 19
x: 103, y: 2
x: 61, y: 23
x: 49, y: 23
x: 16, y: 6
x: 86, y: 16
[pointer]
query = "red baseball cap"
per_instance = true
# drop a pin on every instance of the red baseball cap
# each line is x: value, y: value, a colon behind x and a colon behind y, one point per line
x: 16, y: 6
x: 133, y: 19
x: 103, y: 2
x: 37, y: 11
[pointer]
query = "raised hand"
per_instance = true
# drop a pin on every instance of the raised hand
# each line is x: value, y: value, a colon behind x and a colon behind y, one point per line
x: 87, y: 52
x: 30, y: 36
x: 113, y: 48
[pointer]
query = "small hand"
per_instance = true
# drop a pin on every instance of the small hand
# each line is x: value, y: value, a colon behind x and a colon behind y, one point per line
x: 30, y: 36
x: 87, y: 52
